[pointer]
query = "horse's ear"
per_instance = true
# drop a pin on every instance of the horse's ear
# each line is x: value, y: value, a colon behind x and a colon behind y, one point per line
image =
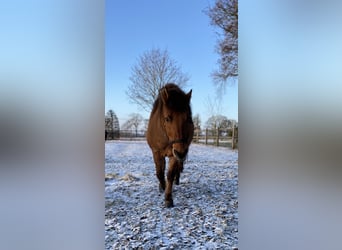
x: 164, y: 95
x: 188, y: 95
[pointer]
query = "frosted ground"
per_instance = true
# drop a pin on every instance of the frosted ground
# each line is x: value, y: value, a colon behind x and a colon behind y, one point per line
x: 204, y: 215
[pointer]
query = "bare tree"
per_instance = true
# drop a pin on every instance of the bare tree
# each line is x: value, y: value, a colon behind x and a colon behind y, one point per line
x: 145, y: 124
x: 112, y: 128
x: 133, y: 122
x: 197, y: 126
x: 152, y: 71
x: 224, y: 15
x: 214, y: 107
x: 197, y: 122
x: 218, y: 122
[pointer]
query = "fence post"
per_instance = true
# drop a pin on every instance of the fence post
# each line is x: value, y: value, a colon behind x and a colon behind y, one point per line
x: 217, y: 137
x: 206, y: 136
x: 233, y: 135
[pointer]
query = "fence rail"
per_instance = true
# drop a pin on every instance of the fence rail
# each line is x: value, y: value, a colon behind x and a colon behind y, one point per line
x: 218, y: 137
x: 125, y: 135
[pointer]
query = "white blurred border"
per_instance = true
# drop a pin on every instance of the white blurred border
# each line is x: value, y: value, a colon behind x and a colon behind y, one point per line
x: 290, y: 120
x: 51, y: 124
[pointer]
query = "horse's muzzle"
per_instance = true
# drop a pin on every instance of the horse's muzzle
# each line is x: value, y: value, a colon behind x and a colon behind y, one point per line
x: 179, y: 156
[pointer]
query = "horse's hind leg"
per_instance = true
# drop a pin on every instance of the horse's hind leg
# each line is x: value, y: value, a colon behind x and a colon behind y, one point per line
x: 160, y: 169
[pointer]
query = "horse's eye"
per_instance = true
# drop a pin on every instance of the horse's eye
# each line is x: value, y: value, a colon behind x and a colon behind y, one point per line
x: 168, y: 119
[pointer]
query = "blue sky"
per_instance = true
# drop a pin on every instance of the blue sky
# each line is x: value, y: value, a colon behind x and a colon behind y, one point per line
x: 181, y: 27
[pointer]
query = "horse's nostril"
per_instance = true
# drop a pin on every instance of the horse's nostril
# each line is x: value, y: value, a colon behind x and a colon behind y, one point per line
x: 178, y: 154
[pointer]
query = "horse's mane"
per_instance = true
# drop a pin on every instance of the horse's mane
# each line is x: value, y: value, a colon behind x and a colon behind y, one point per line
x: 177, y: 100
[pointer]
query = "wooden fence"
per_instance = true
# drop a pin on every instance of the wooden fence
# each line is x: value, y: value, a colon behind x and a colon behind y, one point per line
x: 218, y: 137
x: 125, y: 135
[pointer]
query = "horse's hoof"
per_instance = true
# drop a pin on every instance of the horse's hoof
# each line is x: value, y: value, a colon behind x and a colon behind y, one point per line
x: 177, y: 181
x: 169, y: 204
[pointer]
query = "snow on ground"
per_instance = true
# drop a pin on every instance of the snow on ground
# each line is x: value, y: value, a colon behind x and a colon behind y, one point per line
x: 204, y: 215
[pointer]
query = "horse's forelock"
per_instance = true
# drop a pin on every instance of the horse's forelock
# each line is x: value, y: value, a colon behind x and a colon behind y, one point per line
x: 177, y: 101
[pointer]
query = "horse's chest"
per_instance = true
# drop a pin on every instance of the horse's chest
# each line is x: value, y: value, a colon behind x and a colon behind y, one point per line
x: 164, y: 150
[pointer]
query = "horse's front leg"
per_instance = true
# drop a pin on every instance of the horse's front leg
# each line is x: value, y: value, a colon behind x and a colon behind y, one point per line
x: 159, y: 161
x: 178, y: 173
x: 172, y: 172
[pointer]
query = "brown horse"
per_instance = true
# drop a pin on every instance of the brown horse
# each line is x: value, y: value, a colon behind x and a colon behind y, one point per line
x: 170, y: 131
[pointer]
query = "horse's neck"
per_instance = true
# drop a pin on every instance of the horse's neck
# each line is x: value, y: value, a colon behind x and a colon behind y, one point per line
x: 160, y: 123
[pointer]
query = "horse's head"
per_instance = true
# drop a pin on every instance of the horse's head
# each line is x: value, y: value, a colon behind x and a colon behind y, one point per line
x: 177, y: 120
